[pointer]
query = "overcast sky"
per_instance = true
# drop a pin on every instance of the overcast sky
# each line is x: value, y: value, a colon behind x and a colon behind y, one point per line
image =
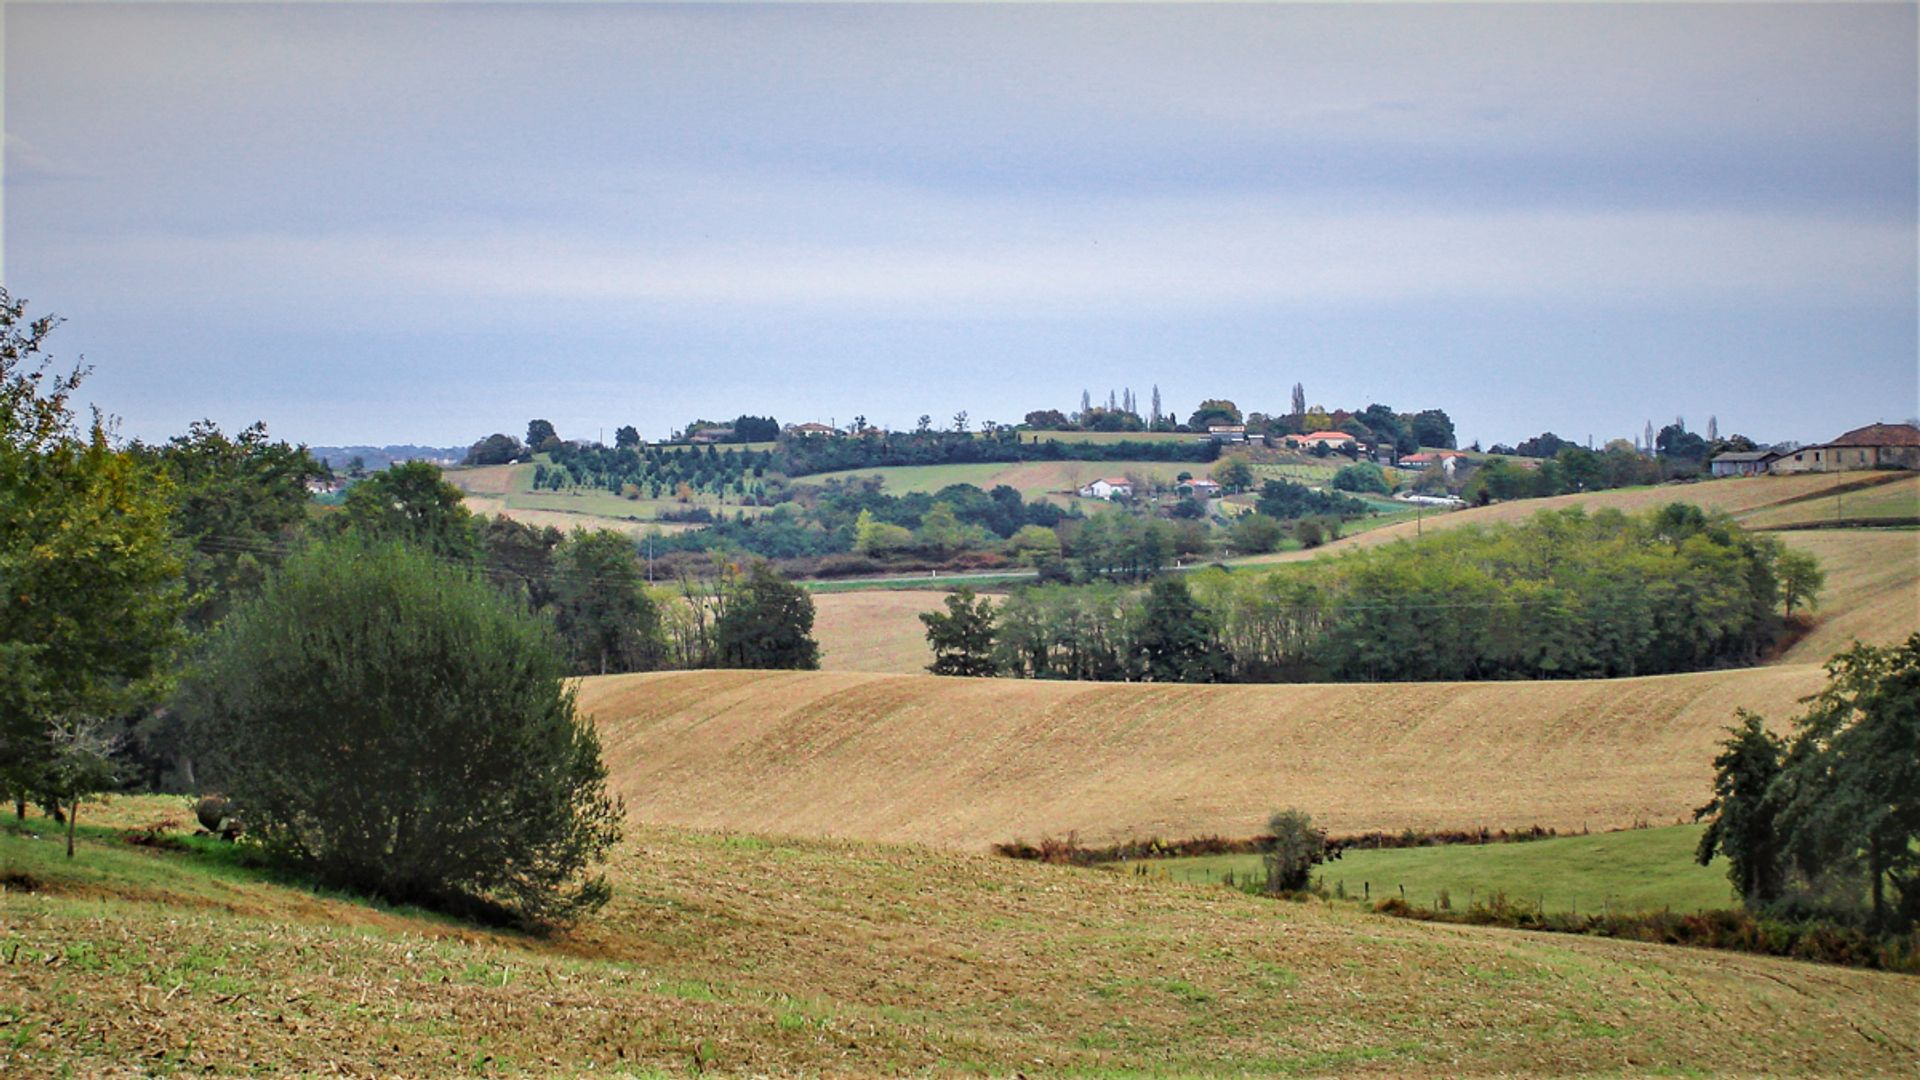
x: 385, y: 223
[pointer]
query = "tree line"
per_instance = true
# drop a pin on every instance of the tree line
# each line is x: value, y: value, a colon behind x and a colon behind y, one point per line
x: 1563, y: 595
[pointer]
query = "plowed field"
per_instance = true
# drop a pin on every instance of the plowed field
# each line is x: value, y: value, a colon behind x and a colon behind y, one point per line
x: 967, y: 762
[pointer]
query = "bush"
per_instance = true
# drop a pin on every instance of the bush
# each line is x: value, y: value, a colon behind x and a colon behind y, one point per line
x: 389, y: 723
x: 1296, y: 848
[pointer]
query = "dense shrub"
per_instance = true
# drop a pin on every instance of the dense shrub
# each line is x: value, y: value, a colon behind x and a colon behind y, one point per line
x: 391, y: 724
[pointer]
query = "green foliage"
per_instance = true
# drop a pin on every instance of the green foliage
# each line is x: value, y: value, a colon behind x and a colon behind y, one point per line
x: 626, y: 436
x: 1214, y: 411
x: 1742, y: 817
x: 1116, y: 544
x: 1173, y: 637
x: 1433, y: 427
x: 495, y: 449
x: 239, y: 503
x: 1256, y: 534
x: 1284, y: 500
x: 410, y: 503
x: 1065, y: 632
x: 1801, y: 579
x: 539, y: 434
x: 1295, y: 849
x: 392, y: 724
x: 90, y: 587
x: 872, y: 536
x: 1849, y: 791
x: 962, y: 639
x: 1233, y: 473
x: 1362, y: 476
x: 601, y: 607
x: 767, y: 623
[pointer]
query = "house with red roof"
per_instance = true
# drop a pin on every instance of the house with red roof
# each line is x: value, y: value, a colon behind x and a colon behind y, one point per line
x: 1876, y: 446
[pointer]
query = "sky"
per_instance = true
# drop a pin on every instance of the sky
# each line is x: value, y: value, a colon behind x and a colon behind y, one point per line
x: 382, y: 223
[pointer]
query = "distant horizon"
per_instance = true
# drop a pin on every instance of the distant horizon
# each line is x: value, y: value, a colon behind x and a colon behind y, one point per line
x: 373, y: 224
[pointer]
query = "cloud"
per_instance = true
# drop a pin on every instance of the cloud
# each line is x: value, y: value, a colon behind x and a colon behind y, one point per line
x: 1132, y: 257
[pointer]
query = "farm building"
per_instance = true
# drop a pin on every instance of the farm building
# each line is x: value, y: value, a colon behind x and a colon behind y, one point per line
x: 1203, y: 489
x: 1742, y: 462
x: 1448, y: 461
x: 1107, y: 488
x: 1876, y: 446
x: 1227, y: 433
x: 1332, y: 440
x: 812, y: 429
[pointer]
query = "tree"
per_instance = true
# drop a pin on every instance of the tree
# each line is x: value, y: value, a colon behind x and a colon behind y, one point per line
x: 1173, y: 638
x: 1233, y: 473
x: 409, y: 502
x: 540, y: 433
x: 1153, y: 417
x: 1742, y: 817
x: 238, y: 503
x: 90, y: 581
x: 626, y: 435
x: 601, y: 606
x: 1676, y: 443
x: 1034, y: 543
x: 1801, y: 579
x: 1433, y: 427
x: 768, y: 623
x: 872, y: 536
x: 1850, y: 787
x: 495, y: 449
x: 1295, y: 847
x: 390, y: 723
x: 1361, y: 476
x: 962, y: 639
x: 1214, y: 411
x: 1299, y: 403
x: 1257, y: 534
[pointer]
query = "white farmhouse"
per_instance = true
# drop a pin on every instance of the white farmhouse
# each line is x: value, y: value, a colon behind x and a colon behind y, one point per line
x: 1107, y: 488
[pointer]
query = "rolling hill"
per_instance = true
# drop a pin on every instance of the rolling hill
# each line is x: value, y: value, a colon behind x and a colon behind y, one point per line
x: 968, y: 762
x: 743, y: 955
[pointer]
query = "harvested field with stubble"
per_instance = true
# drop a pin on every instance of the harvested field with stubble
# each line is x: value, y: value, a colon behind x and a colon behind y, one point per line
x: 968, y: 762
x: 743, y: 955
x: 875, y: 630
x: 1872, y: 592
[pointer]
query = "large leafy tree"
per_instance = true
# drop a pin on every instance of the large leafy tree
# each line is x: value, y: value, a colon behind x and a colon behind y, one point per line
x: 409, y: 502
x: 767, y: 623
x: 389, y: 722
x: 601, y: 605
x: 90, y: 588
x: 1850, y: 789
x: 238, y: 503
x: 962, y: 638
x: 1173, y: 639
x: 1743, y: 815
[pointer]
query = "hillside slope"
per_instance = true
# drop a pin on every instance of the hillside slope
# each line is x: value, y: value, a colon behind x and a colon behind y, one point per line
x: 1737, y: 496
x: 744, y: 956
x: 967, y: 762
x: 1872, y: 594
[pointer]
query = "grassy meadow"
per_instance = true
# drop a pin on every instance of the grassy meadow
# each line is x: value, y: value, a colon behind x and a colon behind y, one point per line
x: 507, y: 490
x: 742, y: 954
x: 1033, y: 479
x: 1631, y: 870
